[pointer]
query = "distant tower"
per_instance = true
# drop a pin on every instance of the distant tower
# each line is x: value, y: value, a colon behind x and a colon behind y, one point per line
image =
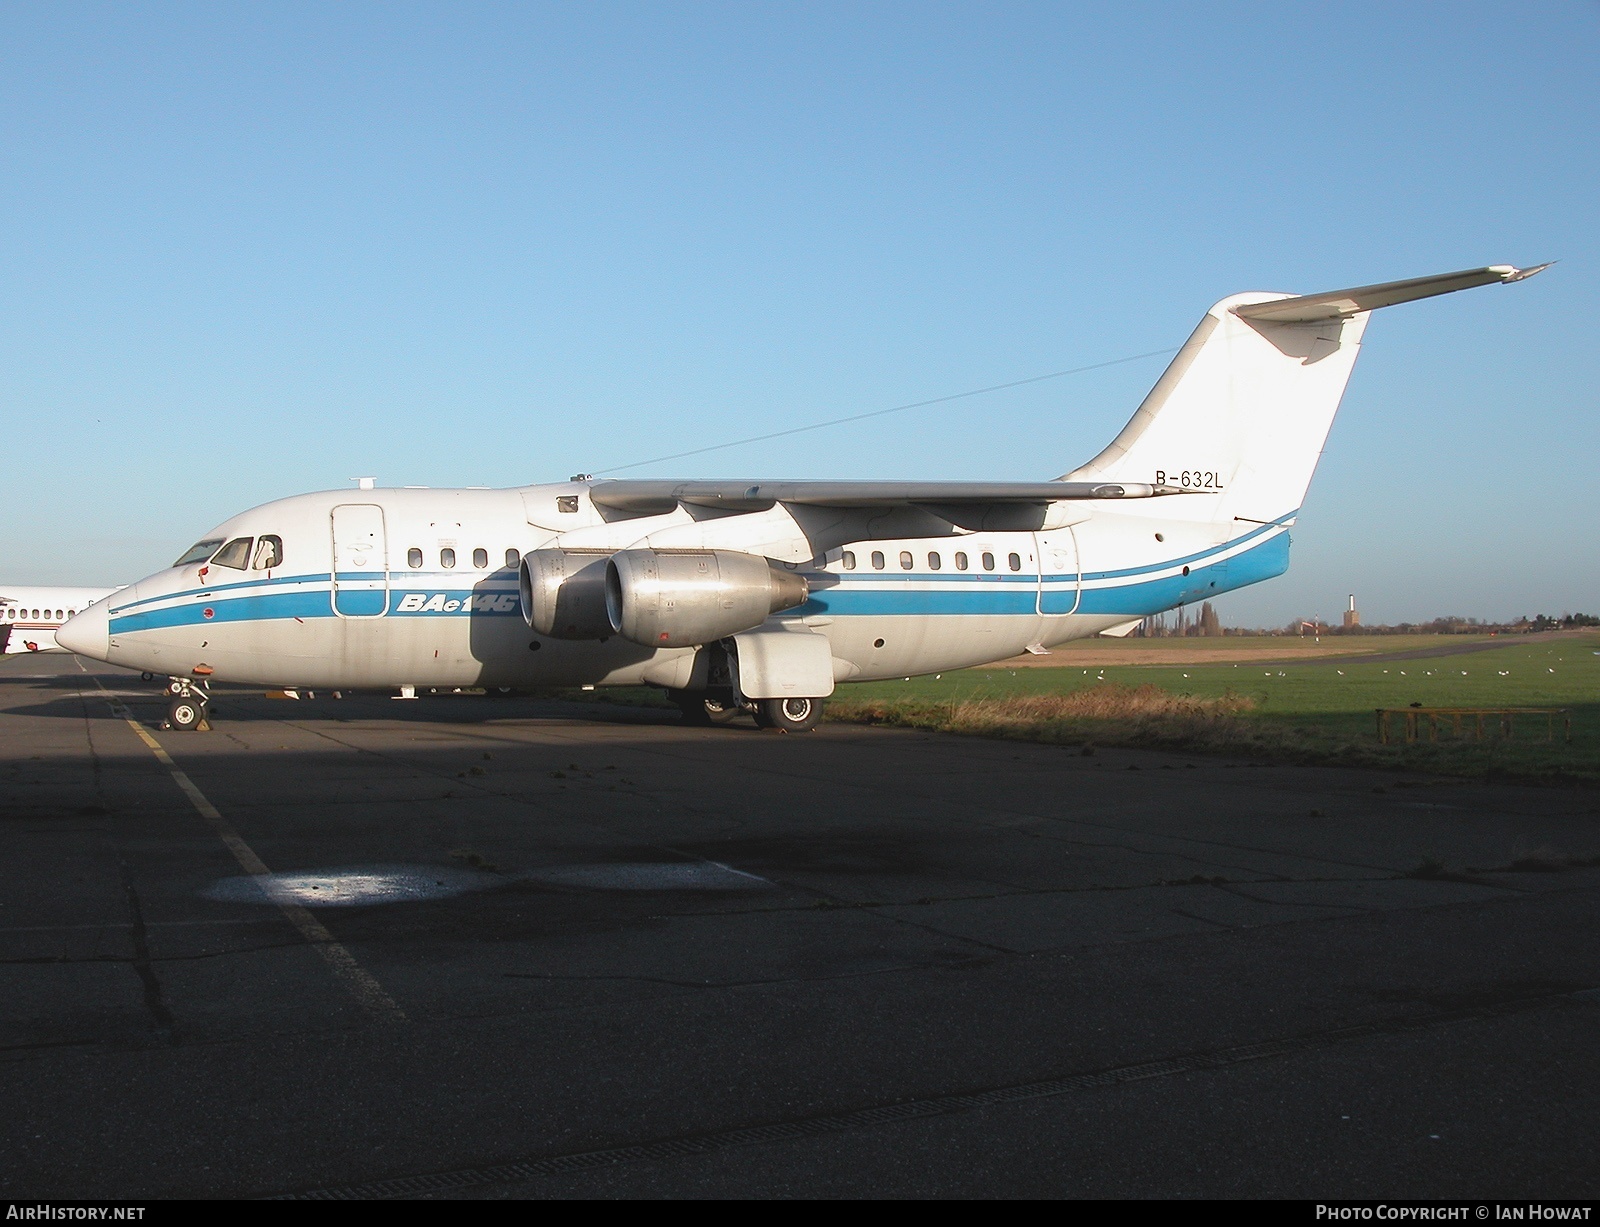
x: 1351, y: 617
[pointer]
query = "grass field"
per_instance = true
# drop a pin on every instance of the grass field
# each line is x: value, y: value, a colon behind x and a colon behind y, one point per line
x: 1317, y: 711
x: 1234, y: 648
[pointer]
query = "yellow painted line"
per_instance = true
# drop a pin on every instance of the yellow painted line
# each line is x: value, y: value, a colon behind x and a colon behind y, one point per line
x: 361, y: 983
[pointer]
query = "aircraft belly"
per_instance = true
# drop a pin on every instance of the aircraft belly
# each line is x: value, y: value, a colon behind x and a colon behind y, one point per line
x: 914, y: 645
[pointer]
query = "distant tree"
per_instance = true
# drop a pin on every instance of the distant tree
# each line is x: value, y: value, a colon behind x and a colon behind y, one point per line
x: 1210, y: 624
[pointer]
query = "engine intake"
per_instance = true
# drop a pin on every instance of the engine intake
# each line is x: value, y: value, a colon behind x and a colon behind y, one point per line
x: 564, y: 594
x: 683, y: 599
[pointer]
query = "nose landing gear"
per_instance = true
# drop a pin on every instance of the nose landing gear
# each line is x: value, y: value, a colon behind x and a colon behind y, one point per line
x: 190, y: 700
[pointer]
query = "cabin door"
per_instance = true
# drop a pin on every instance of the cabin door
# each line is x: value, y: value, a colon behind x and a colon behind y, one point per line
x: 1059, y: 581
x: 360, y: 561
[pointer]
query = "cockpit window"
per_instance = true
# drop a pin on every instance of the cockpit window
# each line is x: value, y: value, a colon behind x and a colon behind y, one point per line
x: 269, y: 553
x: 199, y: 551
x: 235, y: 554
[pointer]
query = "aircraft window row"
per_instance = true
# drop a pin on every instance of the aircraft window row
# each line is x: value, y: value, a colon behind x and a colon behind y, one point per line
x: 447, y: 558
x: 935, y: 560
x: 13, y: 613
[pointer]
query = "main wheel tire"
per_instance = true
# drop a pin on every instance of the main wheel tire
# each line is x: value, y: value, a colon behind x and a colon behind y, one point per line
x: 186, y: 714
x: 789, y: 715
x: 700, y: 709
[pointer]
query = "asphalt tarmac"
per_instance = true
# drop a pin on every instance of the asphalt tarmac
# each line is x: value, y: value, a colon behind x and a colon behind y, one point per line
x: 476, y: 947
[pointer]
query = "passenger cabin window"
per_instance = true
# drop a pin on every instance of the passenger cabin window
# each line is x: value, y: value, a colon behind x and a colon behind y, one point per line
x: 988, y: 561
x: 236, y: 554
x: 413, y: 558
x: 199, y: 551
x: 480, y: 559
x: 447, y: 558
x: 269, y: 552
x: 934, y: 561
x: 512, y: 558
x: 961, y: 560
x: 877, y: 560
x: 905, y: 560
x: 848, y: 560
x: 1014, y: 561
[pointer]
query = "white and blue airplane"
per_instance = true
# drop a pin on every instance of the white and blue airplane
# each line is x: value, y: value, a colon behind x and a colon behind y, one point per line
x: 763, y: 595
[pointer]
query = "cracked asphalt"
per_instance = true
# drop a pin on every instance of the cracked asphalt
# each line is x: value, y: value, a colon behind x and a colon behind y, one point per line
x: 483, y: 947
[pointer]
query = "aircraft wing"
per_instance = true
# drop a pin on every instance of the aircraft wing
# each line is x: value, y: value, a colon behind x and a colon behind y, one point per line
x: 1342, y: 304
x: 647, y: 497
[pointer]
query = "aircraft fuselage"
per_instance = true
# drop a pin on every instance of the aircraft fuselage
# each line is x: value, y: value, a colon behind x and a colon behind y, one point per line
x: 392, y: 587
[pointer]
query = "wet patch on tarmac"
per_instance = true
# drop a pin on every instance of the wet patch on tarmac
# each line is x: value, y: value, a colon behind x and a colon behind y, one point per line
x: 350, y: 886
x: 375, y: 885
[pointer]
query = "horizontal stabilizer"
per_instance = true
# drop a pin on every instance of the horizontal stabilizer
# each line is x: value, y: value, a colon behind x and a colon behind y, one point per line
x: 1342, y: 304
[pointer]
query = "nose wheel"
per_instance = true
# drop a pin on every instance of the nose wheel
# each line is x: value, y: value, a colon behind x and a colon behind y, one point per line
x: 187, y: 710
x: 186, y: 715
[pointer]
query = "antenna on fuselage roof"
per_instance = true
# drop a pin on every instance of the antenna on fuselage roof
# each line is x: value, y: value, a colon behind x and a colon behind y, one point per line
x: 365, y: 483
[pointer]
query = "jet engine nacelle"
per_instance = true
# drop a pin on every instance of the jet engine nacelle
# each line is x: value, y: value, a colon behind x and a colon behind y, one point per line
x: 682, y: 599
x: 564, y: 593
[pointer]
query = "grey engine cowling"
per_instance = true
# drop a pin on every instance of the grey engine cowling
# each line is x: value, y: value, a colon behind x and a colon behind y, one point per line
x: 686, y: 598
x: 564, y: 593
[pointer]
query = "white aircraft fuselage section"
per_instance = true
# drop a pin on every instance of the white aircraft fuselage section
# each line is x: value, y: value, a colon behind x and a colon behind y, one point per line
x: 398, y: 615
x: 30, y: 614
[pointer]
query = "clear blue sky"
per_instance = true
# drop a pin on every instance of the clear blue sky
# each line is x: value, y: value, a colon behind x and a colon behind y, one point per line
x: 252, y: 250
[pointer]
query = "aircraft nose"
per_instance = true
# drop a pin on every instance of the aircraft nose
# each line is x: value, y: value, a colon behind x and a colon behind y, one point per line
x: 87, y: 633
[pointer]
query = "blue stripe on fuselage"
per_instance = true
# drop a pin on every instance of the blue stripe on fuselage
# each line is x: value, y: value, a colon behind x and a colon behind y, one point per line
x: 847, y: 600
x: 864, y: 596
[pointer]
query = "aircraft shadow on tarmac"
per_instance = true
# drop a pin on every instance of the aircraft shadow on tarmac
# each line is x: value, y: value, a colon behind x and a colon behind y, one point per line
x: 79, y: 700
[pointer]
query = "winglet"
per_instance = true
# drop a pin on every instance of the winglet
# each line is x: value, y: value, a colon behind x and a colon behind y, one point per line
x: 1522, y: 274
x: 1342, y: 304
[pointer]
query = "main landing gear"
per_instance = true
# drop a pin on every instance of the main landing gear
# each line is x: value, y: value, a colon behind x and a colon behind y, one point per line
x: 699, y: 707
x: 788, y: 715
x: 189, y: 701
x: 703, y: 708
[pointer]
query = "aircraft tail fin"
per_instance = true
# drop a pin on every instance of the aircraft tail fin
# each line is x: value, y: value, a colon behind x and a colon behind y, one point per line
x: 1241, y: 413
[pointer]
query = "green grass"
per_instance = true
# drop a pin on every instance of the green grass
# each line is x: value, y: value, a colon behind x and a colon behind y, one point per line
x: 1281, y: 646
x: 1319, y: 711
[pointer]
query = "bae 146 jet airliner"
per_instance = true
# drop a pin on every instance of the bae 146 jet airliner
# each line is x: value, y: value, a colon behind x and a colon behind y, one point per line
x: 763, y: 595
